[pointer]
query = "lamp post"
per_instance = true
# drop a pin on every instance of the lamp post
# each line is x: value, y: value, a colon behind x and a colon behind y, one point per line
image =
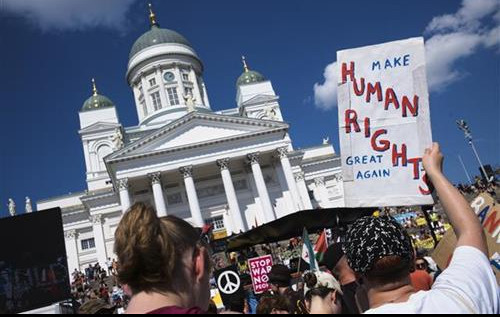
x: 465, y: 170
x: 462, y: 125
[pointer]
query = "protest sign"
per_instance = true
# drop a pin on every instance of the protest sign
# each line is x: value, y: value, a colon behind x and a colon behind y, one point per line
x: 229, y: 284
x: 488, y: 212
x: 259, y: 270
x: 384, y: 124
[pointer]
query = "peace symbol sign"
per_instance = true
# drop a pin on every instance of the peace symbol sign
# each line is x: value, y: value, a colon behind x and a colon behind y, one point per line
x: 230, y: 286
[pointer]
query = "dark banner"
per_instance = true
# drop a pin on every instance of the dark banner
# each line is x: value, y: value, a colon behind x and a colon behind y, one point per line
x: 33, y: 265
x: 230, y: 285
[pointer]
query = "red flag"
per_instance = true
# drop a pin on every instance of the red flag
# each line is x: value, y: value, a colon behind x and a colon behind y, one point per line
x: 321, y: 246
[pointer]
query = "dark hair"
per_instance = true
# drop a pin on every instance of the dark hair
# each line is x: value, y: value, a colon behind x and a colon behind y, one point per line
x: 389, y: 269
x: 212, y: 308
x: 237, y: 304
x: 311, y: 280
x: 151, y: 250
x: 280, y: 275
x: 426, y: 263
x: 278, y: 302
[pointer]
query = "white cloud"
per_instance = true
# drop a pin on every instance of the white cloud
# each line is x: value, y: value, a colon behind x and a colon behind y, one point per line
x: 456, y: 36
x: 452, y: 37
x: 492, y: 38
x: 442, y: 52
x: 467, y: 17
x: 325, y: 95
x: 70, y: 14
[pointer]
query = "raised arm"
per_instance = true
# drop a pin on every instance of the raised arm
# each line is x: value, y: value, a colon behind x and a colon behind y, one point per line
x: 463, y: 219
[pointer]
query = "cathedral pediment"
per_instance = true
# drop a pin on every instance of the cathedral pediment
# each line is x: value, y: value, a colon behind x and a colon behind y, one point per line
x: 196, y: 130
x: 260, y: 99
x: 99, y: 126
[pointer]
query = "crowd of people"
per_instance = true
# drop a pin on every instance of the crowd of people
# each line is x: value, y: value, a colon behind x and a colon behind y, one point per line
x: 96, y: 290
x: 479, y: 186
x: 167, y: 266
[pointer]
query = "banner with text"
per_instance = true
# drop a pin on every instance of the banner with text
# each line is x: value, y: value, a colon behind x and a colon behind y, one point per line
x: 486, y: 208
x: 259, y: 270
x: 384, y: 124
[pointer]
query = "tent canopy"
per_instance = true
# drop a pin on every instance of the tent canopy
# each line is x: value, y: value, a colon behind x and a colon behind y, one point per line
x: 293, y: 225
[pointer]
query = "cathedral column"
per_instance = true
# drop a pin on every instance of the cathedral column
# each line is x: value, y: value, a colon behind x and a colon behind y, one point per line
x: 228, y: 221
x: 290, y: 179
x: 71, y: 242
x: 267, y: 207
x: 180, y: 83
x: 124, y: 194
x: 232, y: 200
x: 161, y: 208
x: 159, y: 81
x: 321, y: 193
x: 194, y: 204
x: 304, y: 193
x: 196, y: 87
x: 100, y: 242
x: 147, y: 97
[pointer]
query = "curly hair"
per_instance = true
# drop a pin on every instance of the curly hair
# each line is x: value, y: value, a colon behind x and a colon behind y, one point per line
x: 150, y: 250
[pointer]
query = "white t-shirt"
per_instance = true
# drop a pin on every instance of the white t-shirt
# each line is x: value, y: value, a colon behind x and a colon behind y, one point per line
x: 468, y: 286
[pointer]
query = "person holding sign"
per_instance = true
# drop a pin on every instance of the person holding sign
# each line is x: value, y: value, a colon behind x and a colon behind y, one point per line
x: 380, y: 250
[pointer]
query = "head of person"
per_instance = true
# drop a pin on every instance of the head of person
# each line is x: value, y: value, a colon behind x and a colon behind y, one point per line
x: 322, y: 293
x: 162, y: 255
x: 421, y: 264
x: 380, y: 250
x: 212, y: 308
x: 335, y: 260
x: 275, y: 305
x: 280, y: 277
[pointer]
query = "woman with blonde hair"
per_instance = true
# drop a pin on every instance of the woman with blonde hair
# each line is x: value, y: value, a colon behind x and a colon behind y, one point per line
x: 164, y: 262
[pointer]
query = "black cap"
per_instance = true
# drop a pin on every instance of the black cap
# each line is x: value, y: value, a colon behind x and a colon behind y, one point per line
x: 371, y: 239
x: 280, y: 275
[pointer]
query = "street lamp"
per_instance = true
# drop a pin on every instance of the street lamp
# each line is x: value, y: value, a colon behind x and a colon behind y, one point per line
x: 462, y: 125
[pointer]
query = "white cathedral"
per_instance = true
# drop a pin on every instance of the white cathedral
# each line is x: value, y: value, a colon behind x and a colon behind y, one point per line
x: 235, y: 168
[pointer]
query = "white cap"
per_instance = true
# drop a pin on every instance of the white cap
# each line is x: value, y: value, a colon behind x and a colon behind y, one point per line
x: 325, y: 280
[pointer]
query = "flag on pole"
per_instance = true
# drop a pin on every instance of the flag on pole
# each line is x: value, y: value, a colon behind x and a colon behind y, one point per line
x: 308, y: 251
x: 321, y: 247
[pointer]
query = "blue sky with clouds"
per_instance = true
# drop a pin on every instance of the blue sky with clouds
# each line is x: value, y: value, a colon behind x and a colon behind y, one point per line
x: 49, y: 53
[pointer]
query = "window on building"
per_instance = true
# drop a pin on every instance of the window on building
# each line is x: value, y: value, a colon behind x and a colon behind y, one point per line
x: 155, y: 97
x: 152, y: 82
x: 88, y: 244
x: 144, y: 108
x: 174, y: 199
x: 188, y: 91
x: 102, y: 152
x: 172, y: 96
x: 185, y: 77
x: 217, y: 222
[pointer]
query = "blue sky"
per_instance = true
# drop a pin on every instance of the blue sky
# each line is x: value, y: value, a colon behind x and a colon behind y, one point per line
x: 49, y: 53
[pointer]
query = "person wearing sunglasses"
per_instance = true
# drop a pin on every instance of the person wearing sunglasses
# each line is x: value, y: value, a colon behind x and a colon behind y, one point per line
x: 165, y: 262
x: 421, y: 280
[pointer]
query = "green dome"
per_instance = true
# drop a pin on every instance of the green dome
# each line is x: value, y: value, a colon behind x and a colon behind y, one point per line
x: 157, y: 36
x: 96, y: 102
x: 249, y: 77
